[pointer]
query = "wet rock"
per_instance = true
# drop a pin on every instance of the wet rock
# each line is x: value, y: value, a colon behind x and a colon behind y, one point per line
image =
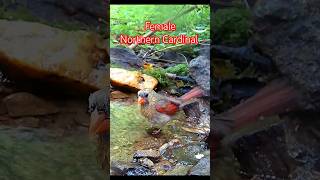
x: 153, y: 155
x: 174, y: 143
x: 179, y: 170
x: 196, y: 130
x: 146, y: 163
x: 125, y: 58
x: 118, y: 95
x: 162, y: 167
x: 189, y: 152
x: 125, y: 169
x: 118, y: 168
x: 288, y: 32
x: 132, y: 80
x: 31, y: 122
x: 204, y: 120
x: 166, y: 149
x: 3, y: 108
x: 199, y: 69
x: 26, y: 104
x: 202, y: 168
x: 54, y: 58
x: 282, y: 150
x: 163, y: 148
x: 80, y: 13
x: 171, y: 58
x: 140, y: 171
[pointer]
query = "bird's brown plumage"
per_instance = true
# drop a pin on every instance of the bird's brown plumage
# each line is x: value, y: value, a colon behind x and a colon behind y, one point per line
x: 159, y: 109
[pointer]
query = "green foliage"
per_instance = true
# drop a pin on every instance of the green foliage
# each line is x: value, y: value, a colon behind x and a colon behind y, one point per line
x: 130, y: 20
x: 231, y: 26
x: 160, y: 73
x: 180, y: 69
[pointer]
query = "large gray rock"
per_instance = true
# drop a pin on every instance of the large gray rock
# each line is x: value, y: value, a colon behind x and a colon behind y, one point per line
x: 200, y: 71
x: 289, y: 33
x: 125, y: 58
x: 80, y: 13
x: 26, y: 104
x: 287, y: 149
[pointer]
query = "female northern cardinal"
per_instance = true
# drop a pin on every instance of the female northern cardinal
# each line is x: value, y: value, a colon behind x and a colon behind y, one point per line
x: 160, y: 109
x: 99, y: 109
x: 99, y: 124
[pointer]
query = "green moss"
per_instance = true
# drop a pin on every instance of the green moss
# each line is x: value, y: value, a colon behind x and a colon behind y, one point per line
x: 231, y: 26
x: 160, y: 73
x: 180, y: 69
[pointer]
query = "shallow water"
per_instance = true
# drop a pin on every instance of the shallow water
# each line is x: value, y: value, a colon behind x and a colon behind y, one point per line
x: 29, y: 154
x: 126, y: 127
x: 129, y: 133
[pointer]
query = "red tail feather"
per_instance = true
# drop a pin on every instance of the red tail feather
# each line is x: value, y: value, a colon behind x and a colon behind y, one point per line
x: 193, y: 93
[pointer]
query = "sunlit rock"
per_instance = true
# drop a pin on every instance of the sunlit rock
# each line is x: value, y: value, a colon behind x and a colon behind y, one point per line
x: 133, y: 80
x: 33, y: 51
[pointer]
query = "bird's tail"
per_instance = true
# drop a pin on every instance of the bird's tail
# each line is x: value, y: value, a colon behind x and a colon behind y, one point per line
x: 193, y: 93
x: 275, y: 98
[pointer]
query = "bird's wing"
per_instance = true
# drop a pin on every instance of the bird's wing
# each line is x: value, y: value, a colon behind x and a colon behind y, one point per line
x: 159, y: 120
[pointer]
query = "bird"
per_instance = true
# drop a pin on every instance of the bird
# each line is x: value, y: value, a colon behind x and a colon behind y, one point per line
x: 296, y: 60
x: 99, y: 125
x: 159, y: 109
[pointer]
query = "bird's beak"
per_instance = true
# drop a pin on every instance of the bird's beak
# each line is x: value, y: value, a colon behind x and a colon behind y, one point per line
x: 141, y: 100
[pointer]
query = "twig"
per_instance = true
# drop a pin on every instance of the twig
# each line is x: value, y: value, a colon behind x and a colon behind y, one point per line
x: 165, y: 60
x: 166, y: 48
x: 184, y: 58
x: 182, y: 78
